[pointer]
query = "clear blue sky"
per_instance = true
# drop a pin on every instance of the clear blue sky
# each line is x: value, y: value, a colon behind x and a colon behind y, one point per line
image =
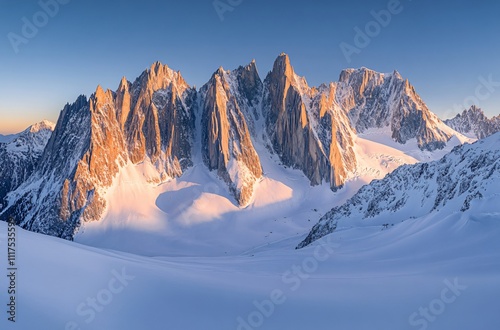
x: 442, y: 48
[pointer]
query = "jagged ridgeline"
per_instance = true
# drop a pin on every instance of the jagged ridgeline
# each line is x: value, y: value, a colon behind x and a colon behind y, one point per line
x: 474, y: 123
x: 463, y: 178
x: 152, y: 122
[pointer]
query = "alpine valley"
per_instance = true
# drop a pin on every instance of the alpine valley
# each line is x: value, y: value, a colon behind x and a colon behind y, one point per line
x: 255, y: 202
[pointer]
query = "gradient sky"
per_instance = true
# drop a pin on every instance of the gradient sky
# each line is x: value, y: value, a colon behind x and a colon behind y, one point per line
x: 442, y: 48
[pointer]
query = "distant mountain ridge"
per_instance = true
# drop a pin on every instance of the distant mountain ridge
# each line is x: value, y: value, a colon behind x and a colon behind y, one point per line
x: 7, y: 138
x: 159, y: 122
x: 20, y: 155
x: 474, y: 123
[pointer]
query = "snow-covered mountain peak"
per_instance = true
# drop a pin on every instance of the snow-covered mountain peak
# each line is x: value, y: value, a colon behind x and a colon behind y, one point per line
x: 396, y: 74
x: 474, y: 123
x: 44, y: 125
x: 250, y: 68
x: 376, y: 100
x: 100, y: 95
x: 474, y: 113
x: 366, y: 73
x: 244, y: 84
x: 475, y: 109
x: 285, y: 72
x: 34, y: 138
x: 220, y: 71
x: 159, y: 69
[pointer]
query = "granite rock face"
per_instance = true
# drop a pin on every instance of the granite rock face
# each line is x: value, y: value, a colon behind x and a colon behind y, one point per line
x: 306, y: 127
x: 229, y: 102
x: 157, y: 117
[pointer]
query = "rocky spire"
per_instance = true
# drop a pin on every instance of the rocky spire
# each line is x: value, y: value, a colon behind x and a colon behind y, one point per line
x: 227, y: 144
x: 295, y: 114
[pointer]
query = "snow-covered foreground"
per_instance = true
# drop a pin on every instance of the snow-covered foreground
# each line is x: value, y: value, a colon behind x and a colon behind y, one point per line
x: 427, y: 273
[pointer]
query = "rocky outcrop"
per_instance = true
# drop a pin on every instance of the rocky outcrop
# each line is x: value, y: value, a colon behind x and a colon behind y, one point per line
x: 474, y: 123
x: 229, y: 102
x: 306, y: 127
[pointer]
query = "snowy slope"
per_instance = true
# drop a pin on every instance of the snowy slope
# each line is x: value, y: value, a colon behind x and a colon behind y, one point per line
x: 383, y: 276
x: 466, y: 180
